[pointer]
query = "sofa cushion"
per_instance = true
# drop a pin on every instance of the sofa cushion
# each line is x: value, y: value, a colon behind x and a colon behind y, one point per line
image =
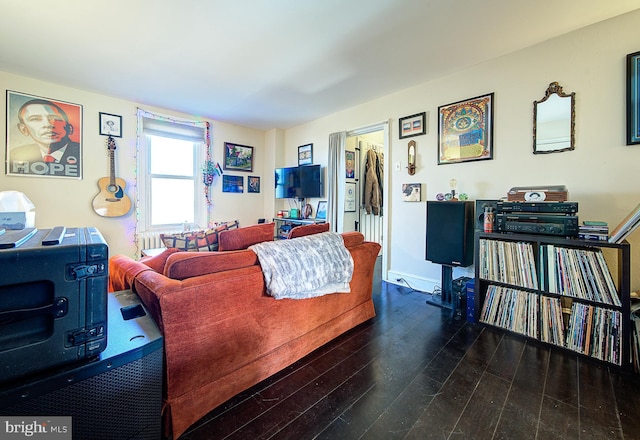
x: 302, y: 230
x: 157, y: 262
x: 183, y: 265
x: 242, y: 238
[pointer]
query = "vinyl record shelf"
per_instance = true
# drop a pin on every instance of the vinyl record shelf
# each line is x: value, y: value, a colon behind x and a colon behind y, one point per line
x: 570, y: 293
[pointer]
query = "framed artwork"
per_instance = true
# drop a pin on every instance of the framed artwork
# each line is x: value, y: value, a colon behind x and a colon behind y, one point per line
x: 633, y: 98
x: 321, y: 212
x: 232, y: 184
x: 305, y: 154
x: 110, y: 125
x: 238, y: 157
x: 350, y: 197
x: 465, y: 130
x: 350, y: 164
x: 254, y: 184
x: 411, y: 192
x: 414, y: 125
x: 34, y: 149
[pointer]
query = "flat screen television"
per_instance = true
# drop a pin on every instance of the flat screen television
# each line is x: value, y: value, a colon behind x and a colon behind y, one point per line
x: 299, y: 182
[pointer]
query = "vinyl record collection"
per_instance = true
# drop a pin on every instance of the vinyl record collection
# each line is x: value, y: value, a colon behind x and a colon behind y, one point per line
x: 635, y: 334
x: 590, y: 330
x: 512, y: 309
x: 551, y: 309
x: 576, y: 306
x: 508, y: 262
x: 595, y: 331
x: 578, y: 273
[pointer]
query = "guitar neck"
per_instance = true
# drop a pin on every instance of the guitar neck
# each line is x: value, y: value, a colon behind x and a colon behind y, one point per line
x: 112, y: 168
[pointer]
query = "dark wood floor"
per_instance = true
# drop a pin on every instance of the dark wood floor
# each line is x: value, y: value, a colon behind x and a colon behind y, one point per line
x: 413, y: 372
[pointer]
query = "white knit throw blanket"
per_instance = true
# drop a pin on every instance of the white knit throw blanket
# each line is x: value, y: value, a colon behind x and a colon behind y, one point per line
x: 305, y: 267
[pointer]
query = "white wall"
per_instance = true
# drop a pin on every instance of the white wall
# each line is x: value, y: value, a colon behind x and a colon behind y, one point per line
x: 67, y: 202
x: 601, y: 173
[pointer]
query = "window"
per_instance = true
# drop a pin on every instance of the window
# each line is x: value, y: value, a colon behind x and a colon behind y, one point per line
x: 170, y: 189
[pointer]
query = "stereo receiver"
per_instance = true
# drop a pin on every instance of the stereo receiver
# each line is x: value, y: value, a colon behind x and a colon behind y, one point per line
x: 546, y: 207
x: 562, y: 225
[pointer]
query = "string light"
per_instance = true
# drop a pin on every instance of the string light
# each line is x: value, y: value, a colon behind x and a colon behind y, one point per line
x: 208, y: 169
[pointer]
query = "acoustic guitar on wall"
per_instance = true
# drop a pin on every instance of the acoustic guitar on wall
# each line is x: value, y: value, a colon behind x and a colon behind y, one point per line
x: 111, y: 201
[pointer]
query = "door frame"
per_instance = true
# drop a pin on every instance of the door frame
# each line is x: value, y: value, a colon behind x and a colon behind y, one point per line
x: 384, y: 127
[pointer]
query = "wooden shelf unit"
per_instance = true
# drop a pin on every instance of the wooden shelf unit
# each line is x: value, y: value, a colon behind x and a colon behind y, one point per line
x: 517, y: 283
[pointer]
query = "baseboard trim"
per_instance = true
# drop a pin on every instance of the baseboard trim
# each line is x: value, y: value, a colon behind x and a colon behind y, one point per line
x: 426, y: 285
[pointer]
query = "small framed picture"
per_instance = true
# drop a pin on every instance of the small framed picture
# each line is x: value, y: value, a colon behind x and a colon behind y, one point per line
x: 414, y: 125
x: 350, y: 197
x: 350, y: 164
x: 238, y: 157
x: 633, y: 98
x: 411, y: 192
x: 110, y: 125
x: 321, y: 212
x: 305, y: 154
x: 232, y: 184
x: 254, y: 184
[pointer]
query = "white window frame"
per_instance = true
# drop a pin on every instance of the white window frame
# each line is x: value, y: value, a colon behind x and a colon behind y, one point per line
x: 176, y: 129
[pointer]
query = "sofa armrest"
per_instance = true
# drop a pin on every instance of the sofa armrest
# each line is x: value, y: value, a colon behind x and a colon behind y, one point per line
x: 352, y: 238
x: 122, y: 272
x: 196, y: 315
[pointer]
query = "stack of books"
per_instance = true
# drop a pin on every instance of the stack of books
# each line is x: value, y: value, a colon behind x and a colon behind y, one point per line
x: 594, y: 230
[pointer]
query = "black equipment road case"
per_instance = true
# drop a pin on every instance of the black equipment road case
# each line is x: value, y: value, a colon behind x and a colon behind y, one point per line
x: 114, y: 396
x: 53, y: 298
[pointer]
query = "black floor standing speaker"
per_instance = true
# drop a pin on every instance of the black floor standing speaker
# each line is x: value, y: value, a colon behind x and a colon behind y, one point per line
x: 450, y: 229
x: 115, y: 396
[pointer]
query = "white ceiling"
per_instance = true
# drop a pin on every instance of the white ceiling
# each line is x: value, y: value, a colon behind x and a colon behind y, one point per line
x: 271, y: 63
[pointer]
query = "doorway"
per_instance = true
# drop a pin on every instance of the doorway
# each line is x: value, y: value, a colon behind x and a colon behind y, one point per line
x: 360, y: 146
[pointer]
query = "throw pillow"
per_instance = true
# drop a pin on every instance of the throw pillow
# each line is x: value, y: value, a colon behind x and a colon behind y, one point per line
x: 194, y: 241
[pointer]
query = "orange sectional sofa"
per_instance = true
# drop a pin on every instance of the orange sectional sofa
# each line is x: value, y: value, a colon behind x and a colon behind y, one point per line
x: 222, y: 332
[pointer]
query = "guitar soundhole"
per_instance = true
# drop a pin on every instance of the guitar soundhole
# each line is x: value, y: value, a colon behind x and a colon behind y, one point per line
x: 112, y: 188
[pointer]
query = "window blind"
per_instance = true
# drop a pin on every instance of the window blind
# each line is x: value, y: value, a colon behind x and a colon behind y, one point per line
x: 173, y: 129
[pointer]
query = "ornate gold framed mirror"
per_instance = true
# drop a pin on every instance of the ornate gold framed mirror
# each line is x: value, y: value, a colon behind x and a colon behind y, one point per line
x: 554, y: 121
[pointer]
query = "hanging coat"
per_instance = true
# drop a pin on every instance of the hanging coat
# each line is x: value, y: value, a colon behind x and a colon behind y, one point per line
x: 372, y: 196
x: 380, y: 176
